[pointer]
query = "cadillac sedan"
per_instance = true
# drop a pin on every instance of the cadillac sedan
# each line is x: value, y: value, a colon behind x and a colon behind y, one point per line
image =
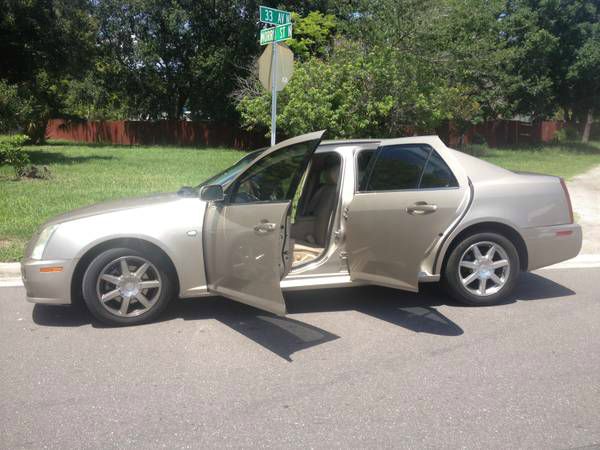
x: 308, y: 214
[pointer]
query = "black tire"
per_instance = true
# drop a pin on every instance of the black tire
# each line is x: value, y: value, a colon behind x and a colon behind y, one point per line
x: 452, y: 274
x: 160, y: 270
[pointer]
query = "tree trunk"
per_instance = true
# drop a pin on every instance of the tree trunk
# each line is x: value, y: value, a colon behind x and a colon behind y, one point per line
x: 36, y: 130
x: 585, y: 138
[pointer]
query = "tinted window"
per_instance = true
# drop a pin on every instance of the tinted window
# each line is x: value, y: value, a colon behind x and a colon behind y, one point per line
x: 398, y: 167
x: 274, y: 177
x: 407, y: 166
x: 362, y: 164
x: 437, y: 174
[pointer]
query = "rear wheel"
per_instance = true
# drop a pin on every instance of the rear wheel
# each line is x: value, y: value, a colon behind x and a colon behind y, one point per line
x: 123, y: 286
x: 483, y: 269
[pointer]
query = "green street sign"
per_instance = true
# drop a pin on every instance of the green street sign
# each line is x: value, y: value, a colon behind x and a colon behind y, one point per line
x: 276, y: 34
x: 274, y: 16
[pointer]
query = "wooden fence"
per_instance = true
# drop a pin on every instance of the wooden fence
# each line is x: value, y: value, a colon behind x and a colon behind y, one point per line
x: 163, y: 132
x: 503, y: 133
x: 499, y: 133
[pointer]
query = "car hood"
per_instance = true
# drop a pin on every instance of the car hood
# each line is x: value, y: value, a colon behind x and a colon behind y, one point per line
x: 115, y: 205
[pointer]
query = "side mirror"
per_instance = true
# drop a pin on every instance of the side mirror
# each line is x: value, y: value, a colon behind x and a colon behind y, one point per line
x: 212, y: 193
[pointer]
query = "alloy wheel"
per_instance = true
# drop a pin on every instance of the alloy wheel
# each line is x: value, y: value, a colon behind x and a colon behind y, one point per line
x: 128, y: 286
x: 484, y: 268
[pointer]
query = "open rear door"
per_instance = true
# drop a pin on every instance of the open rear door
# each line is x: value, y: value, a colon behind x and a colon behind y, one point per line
x: 408, y: 199
x: 245, y: 236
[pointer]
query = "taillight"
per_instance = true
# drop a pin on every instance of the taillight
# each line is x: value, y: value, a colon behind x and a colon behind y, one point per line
x: 566, y: 191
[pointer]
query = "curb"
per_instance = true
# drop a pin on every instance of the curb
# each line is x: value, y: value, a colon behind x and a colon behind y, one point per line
x: 588, y: 261
x: 10, y: 270
x: 10, y: 273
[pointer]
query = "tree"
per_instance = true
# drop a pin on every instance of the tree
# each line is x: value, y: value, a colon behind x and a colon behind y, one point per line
x: 313, y: 34
x: 357, y: 93
x: 584, y: 74
x: 43, y: 43
x: 177, y: 57
x: 13, y: 110
x: 573, y: 63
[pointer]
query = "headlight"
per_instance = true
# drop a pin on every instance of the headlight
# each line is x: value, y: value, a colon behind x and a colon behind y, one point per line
x: 44, y: 237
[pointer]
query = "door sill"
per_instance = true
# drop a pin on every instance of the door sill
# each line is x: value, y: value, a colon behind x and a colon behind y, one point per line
x: 330, y: 280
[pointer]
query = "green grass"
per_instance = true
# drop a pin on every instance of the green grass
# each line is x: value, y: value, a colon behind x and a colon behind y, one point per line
x: 84, y: 174
x: 564, y: 160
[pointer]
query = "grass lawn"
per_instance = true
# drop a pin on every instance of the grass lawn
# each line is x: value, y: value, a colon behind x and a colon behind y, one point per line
x: 85, y: 174
x: 565, y: 160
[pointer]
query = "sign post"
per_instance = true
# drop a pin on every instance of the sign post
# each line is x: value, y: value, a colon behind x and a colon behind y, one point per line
x: 274, y: 94
x: 282, y: 31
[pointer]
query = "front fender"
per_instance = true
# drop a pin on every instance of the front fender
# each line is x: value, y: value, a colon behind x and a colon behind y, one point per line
x: 175, y: 227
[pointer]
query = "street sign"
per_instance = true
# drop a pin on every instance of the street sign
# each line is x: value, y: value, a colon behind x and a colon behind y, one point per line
x: 283, y: 69
x: 276, y: 34
x: 274, y: 16
x: 276, y: 64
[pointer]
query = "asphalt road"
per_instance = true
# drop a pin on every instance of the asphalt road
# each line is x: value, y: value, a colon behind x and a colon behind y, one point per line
x: 362, y: 367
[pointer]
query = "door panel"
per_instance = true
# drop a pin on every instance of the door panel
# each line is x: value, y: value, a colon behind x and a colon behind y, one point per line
x: 245, y: 236
x: 389, y: 233
x: 243, y: 249
x: 409, y: 198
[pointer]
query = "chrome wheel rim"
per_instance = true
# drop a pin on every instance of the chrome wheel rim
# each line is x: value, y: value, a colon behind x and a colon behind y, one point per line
x: 484, y: 268
x: 128, y: 286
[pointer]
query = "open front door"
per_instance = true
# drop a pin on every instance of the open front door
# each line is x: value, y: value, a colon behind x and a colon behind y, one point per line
x: 407, y: 199
x: 245, y: 236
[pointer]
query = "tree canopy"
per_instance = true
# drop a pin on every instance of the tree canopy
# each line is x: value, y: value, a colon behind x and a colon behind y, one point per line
x: 363, y: 67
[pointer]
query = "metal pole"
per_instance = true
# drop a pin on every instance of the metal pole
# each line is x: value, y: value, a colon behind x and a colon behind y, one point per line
x: 274, y: 93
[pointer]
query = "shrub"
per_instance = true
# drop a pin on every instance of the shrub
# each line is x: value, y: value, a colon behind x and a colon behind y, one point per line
x: 11, y: 153
x: 32, y: 171
x: 561, y: 135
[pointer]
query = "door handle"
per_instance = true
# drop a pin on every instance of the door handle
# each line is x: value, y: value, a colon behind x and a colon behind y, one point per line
x: 421, y: 208
x: 265, y: 227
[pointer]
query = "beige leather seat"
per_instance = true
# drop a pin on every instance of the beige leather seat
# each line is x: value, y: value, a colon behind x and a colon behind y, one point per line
x: 320, y: 209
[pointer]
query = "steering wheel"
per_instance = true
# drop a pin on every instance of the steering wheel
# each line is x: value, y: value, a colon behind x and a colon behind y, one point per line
x: 247, y: 192
x: 253, y: 189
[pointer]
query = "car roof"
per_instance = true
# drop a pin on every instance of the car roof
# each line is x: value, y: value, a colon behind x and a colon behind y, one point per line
x: 362, y: 144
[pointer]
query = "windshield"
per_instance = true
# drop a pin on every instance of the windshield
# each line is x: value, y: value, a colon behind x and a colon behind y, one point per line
x: 228, y: 174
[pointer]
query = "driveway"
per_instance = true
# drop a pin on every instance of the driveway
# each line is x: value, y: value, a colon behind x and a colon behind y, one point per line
x: 349, y: 368
x: 585, y: 196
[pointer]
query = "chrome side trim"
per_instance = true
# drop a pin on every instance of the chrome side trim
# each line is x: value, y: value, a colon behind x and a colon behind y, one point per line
x: 428, y: 278
x: 198, y: 291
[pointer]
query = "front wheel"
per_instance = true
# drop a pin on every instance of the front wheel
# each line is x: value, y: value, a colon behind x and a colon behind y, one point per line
x: 123, y: 286
x: 483, y: 269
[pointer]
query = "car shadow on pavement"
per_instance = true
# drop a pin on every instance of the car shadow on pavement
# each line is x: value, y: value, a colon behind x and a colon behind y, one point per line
x: 414, y: 312
x: 281, y: 335
x: 285, y: 335
x: 532, y: 286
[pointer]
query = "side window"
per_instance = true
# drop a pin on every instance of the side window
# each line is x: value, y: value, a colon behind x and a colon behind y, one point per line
x: 437, y: 174
x: 274, y: 177
x: 407, y: 166
x: 362, y: 165
x: 397, y: 167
